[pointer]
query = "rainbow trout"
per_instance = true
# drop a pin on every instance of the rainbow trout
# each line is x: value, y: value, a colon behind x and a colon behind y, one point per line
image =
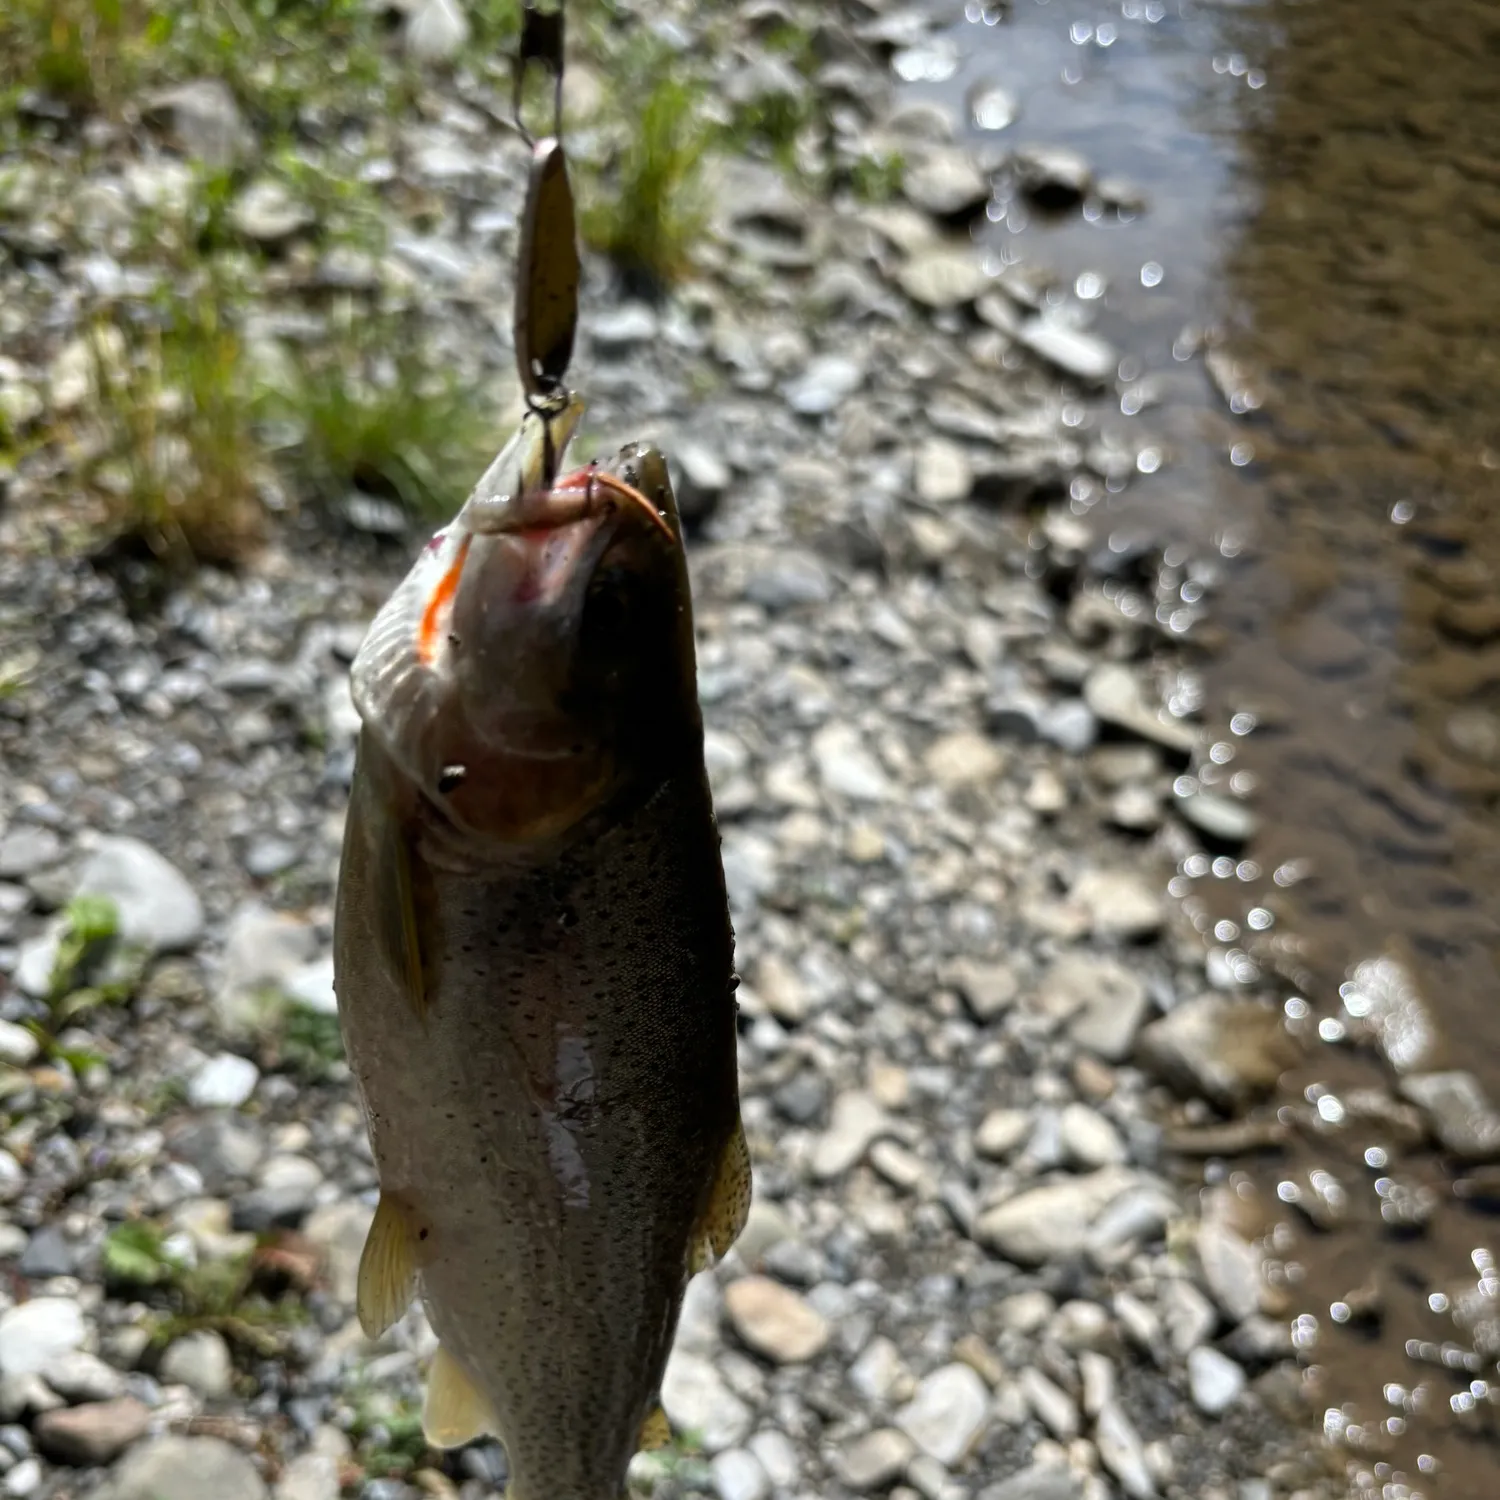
x: 534, y: 964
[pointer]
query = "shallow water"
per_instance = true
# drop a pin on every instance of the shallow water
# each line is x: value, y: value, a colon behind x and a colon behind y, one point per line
x: 1321, y: 191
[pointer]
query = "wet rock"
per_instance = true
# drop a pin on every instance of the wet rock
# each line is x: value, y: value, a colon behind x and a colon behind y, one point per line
x: 49, y: 1252
x: 1228, y: 820
x: 225, y: 1081
x: 826, y: 383
x: 203, y: 120
x: 1122, y: 1453
x: 696, y: 1399
x: 25, y: 849
x: 948, y: 1413
x: 1461, y: 1117
x: 1052, y: 176
x: 991, y: 107
x: 942, y: 276
x: 185, y: 1468
x: 774, y: 1321
x: 846, y: 767
x: 93, y: 1434
x: 1083, y: 357
x: 1381, y: 996
x: 1215, y: 1381
x: 35, y: 1333
x: 199, y: 1361
x: 436, y: 31
x: 1049, y: 1223
x: 1113, y: 693
x: 1227, y: 1051
x: 1233, y: 1268
x: 1120, y: 903
x: 857, y: 1122
x: 945, y: 181
x: 12, y: 1178
x: 268, y: 214
x: 739, y: 1475
x: 157, y: 909
x: 871, y: 1462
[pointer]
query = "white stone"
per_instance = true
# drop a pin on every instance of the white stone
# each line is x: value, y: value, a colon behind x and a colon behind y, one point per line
x: 948, y: 1413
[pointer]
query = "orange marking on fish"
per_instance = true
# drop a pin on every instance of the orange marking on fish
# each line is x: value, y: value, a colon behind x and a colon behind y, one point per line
x: 430, y: 631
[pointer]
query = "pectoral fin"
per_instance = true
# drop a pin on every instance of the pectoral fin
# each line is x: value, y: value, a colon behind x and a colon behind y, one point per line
x: 387, y: 1268
x: 454, y: 1412
x: 728, y: 1207
x: 656, y: 1431
x: 396, y: 913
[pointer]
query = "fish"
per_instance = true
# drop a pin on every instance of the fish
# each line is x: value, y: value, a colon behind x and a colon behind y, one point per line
x: 534, y: 963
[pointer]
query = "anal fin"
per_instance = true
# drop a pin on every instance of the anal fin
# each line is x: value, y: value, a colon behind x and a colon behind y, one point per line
x: 728, y: 1205
x: 656, y: 1431
x: 454, y: 1412
x: 387, y: 1268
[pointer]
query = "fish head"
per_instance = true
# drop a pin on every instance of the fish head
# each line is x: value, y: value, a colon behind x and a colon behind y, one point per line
x: 538, y: 658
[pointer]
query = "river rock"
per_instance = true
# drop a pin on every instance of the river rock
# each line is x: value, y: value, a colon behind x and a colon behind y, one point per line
x: 872, y: 1461
x: 945, y: 181
x: 846, y: 767
x: 26, y: 848
x: 1107, y: 1003
x: 225, y: 1081
x: 157, y: 909
x: 1088, y: 1139
x: 1040, y: 1481
x: 1122, y: 1453
x: 939, y: 277
x: 774, y: 1321
x: 1114, y: 695
x: 267, y: 213
x: 1233, y: 1268
x: 203, y: 119
x: 310, y: 1476
x: 948, y: 1413
x: 18, y: 1046
x: 33, y: 1334
x: 1084, y: 357
x: 739, y: 1475
x: 1461, y: 1117
x: 1214, y: 1380
x: 1049, y: 1223
x: 856, y: 1123
x: 1227, y: 1051
x: 696, y: 1399
x: 185, y: 1468
x: 826, y: 383
x: 1120, y: 903
x: 92, y: 1434
x: 199, y: 1361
